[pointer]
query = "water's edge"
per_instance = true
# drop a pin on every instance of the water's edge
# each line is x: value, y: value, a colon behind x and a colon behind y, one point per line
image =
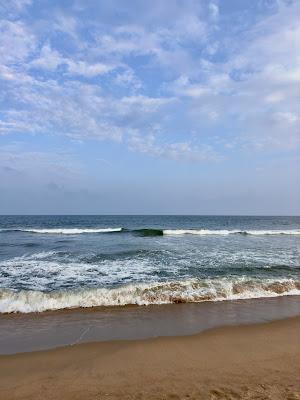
x: 33, y: 332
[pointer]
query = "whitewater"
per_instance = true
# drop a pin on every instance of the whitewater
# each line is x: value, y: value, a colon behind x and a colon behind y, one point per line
x: 60, y: 262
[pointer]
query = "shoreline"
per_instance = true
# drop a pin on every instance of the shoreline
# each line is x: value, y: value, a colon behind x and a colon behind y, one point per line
x: 53, y: 329
x: 235, y: 362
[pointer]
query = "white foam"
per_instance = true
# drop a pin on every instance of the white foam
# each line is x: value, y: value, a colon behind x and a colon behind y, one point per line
x: 225, y: 232
x: 39, y: 271
x: 197, y: 232
x: 221, y: 232
x: 193, y: 290
x: 274, y: 232
x: 71, y: 231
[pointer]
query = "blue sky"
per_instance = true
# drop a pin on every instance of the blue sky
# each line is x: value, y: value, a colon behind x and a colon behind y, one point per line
x: 142, y: 106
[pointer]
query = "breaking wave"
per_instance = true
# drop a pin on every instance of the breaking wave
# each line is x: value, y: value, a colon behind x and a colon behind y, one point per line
x: 188, y: 291
x: 65, y: 231
x: 154, y: 232
x: 230, y: 232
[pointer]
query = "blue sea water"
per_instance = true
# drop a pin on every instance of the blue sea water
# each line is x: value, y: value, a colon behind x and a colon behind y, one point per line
x: 56, y: 262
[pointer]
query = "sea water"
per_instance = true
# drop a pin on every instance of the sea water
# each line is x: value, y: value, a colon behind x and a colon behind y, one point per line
x: 58, y: 262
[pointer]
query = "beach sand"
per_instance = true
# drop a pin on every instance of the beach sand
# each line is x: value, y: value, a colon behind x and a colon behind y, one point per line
x: 241, y: 362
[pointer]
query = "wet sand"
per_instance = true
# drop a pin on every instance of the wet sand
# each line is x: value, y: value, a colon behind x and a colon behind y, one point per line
x: 41, y: 331
x: 238, y: 362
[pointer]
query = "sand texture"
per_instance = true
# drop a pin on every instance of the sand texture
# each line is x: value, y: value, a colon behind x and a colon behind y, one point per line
x: 242, y: 362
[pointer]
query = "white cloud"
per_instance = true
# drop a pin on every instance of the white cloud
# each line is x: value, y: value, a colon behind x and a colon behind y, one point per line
x: 12, y: 8
x: 127, y: 78
x: 196, y: 91
x: 258, y: 88
x: 214, y: 10
x: 67, y: 24
x: 89, y: 70
x: 169, y: 64
x: 142, y: 104
x: 16, y: 41
x: 184, y: 151
x: 274, y: 97
x: 77, y: 110
x: 287, y: 117
x: 50, y: 59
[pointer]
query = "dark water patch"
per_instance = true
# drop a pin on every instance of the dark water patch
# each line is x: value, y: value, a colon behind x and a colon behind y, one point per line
x: 282, y: 267
x: 27, y: 244
x: 148, y: 232
x: 31, y: 244
x: 4, y: 231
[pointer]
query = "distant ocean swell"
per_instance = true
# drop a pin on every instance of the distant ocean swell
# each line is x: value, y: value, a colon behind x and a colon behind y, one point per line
x: 153, y: 232
x: 186, y: 291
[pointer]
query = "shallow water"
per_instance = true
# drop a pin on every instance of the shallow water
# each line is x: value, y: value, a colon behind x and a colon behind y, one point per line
x: 30, y: 332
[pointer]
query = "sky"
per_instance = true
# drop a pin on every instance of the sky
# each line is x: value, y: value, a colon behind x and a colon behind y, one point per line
x: 150, y: 107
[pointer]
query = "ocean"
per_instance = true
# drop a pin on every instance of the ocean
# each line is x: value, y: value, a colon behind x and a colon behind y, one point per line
x: 62, y: 262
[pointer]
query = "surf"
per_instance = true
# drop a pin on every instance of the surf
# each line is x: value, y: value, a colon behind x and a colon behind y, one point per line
x: 64, y: 231
x: 225, y: 232
x: 143, y: 294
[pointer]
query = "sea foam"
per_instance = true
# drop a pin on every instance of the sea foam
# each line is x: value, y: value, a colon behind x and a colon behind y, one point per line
x: 187, y: 291
x: 225, y: 232
x: 155, y: 232
x: 66, y: 231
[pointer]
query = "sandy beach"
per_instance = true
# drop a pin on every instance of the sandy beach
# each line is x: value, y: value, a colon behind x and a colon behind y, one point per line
x: 259, y: 361
x: 149, y: 200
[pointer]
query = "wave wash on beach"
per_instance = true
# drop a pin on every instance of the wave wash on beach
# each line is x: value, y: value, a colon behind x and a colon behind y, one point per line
x: 191, y: 291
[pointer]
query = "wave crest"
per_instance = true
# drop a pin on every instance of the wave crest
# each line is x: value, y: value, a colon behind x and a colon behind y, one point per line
x: 225, y: 232
x: 66, y: 231
x: 154, y: 232
x: 189, y: 291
